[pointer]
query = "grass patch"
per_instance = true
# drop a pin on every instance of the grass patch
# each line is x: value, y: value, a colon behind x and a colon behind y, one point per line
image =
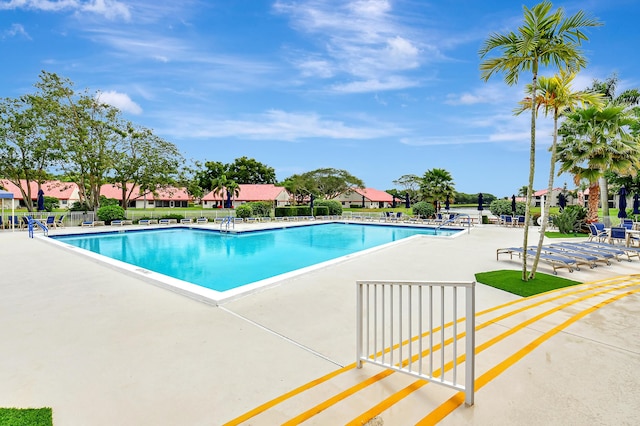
x: 560, y: 235
x: 511, y: 281
x: 26, y: 416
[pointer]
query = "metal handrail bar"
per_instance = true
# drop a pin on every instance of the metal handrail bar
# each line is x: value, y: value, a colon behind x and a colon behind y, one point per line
x: 388, y: 312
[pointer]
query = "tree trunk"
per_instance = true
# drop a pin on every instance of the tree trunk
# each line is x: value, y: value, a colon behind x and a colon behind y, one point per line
x: 592, y: 203
x: 604, y: 200
x: 547, y: 205
x: 532, y: 167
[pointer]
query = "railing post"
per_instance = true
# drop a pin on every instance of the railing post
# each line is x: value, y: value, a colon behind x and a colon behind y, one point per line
x: 470, y: 340
x: 359, y: 321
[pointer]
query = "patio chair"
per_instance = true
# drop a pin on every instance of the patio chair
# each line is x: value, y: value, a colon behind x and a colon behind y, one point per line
x: 618, y: 233
x: 51, y: 221
x: 202, y: 220
x: 519, y: 221
x: 597, y: 232
x: 508, y: 220
x: 60, y: 222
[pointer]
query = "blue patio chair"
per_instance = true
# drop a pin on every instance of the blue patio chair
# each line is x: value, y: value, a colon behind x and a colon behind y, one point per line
x: 60, y: 222
x: 597, y: 232
x: 51, y: 221
x: 508, y: 220
x: 519, y: 221
x: 618, y: 233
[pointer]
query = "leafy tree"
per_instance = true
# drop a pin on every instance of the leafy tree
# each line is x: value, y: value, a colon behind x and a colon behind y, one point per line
x: 329, y: 183
x: 546, y: 38
x: 208, y: 173
x: 503, y: 207
x: 51, y: 203
x: 408, y: 184
x: 29, y: 142
x: 301, y: 186
x: 436, y: 186
x: 249, y: 171
x: 143, y: 159
x: 556, y: 97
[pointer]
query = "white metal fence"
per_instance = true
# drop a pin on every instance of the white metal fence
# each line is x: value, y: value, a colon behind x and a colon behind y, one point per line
x: 413, y: 327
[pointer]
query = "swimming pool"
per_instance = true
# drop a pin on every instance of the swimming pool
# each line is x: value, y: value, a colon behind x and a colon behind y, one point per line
x: 226, y: 261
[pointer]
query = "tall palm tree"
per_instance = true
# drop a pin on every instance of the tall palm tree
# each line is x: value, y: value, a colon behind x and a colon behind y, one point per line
x: 223, y: 187
x: 628, y: 98
x: 595, y: 141
x: 555, y: 97
x: 546, y: 38
x: 437, y: 185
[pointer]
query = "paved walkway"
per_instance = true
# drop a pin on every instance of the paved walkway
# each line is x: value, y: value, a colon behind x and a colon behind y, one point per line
x: 104, y: 348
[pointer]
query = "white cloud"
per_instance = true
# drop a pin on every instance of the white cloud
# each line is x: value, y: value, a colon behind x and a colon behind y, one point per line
x: 392, y: 83
x: 16, y: 30
x: 359, y: 39
x: 122, y: 101
x: 277, y: 125
x: 110, y: 9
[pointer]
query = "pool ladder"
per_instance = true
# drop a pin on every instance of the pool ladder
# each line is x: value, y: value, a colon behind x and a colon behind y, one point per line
x: 227, y: 222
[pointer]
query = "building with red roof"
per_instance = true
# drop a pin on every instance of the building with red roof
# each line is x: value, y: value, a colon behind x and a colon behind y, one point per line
x: 163, y: 197
x: 66, y: 192
x: 369, y: 198
x: 247, y: 193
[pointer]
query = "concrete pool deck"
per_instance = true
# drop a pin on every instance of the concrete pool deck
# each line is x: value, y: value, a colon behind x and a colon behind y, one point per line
x: 103, y: 348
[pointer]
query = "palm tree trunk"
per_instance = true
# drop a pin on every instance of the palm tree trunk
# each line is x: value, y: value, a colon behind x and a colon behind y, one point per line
x: 604, y: 200
x: 592, y: 203
x: 547, y: 205
x: 532, y: 167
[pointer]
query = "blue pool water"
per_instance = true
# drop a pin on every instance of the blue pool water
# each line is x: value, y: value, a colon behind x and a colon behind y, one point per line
x: 225, y: 261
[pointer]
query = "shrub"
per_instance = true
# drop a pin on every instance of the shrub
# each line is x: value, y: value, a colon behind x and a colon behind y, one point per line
x: 51, y: 203
x: 423, y: 209
x: 104, y: 201
x: 571, y: 220
x: 109, y: 213
x: 335, y: 208
x: 500, y: 207
x: 244, y: 211
x: 321, y: 211
x: 175, y: 216
x: 261, y: 208
x: 79, y: 206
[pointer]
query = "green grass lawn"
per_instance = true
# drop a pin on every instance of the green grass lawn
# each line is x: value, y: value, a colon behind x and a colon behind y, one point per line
x: 26, y: 416
x: 511, y: 281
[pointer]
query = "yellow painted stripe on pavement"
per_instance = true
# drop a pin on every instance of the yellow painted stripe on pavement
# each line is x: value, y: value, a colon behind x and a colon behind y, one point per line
x: 454, y: 402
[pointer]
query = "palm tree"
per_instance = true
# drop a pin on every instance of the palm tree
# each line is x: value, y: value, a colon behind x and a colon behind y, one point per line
x: 546, y: 38
x: 556, y: 97
x: 223, y: 187
x: 595, y: 141
x: 629, y: 98
x: 437, y: 185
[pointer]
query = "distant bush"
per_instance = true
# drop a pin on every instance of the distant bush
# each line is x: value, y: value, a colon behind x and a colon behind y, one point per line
x: 110, y: 213
x: 321, y: 211
x: 500, y: 207
x: 244, y: 211
x: 260, y: 208
x: 79, y: 206
x: 175, y: 216
x: 51, y: 203
x: 423, y: 209
x: 335, y: 208
x: 104, y: 201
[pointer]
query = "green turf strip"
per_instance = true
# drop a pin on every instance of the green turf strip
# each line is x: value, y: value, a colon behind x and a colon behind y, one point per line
x: 511, y: 281
x: 559, y: 235
x: 26, y: 416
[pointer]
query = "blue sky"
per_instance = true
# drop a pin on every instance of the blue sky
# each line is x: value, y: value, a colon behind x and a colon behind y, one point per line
x: 381, y: 88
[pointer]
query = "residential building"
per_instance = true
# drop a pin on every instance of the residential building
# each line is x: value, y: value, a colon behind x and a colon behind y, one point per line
x: 278, y: 195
